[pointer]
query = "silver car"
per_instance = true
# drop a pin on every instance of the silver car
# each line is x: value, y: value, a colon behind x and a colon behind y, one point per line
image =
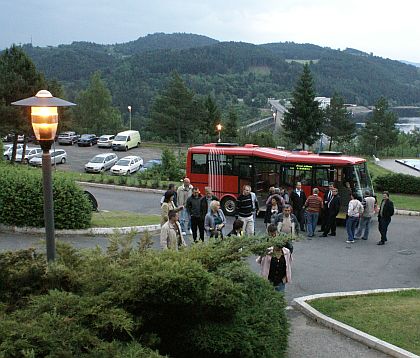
x: 57, y: 156
x: 105, y: 141
x: 8, y: 149
x: 29, y: 154
x: 127, y: 165
x: 101, y: 162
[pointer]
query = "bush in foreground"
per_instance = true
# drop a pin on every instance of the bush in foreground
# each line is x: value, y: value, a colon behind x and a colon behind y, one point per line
x: 201, y: 302
x: 21, y: 200
x: 398, y: 183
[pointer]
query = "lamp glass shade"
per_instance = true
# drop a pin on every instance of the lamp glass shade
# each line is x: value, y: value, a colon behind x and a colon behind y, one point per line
x: 44, y: 122
x: 219, y: 127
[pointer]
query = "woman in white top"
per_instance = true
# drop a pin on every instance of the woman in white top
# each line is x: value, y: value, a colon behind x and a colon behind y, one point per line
x: 353, y: 214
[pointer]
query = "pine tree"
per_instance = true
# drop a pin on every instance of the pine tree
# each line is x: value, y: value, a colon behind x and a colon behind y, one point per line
x: 95, y: 113
x: 338, y: 125
x: 230, y: 132
x: 171, y: 111
x: 212, y: 117
x: 380, y: 131
x: 303, y: 121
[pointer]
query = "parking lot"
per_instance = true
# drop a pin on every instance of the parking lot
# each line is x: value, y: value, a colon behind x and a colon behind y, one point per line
x: 77, y: 156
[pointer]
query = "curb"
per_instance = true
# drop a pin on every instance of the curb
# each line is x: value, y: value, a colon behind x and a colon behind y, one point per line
x: 362, y: 337
x: 91, y: 231
x: 159, y: 191
x: 120, y: 187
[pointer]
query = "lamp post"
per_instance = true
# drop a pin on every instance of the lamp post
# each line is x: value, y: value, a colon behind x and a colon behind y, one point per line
x: 44, y: 117
x: 219, y: 129
x: 376, y: 138
x: 129, y: 111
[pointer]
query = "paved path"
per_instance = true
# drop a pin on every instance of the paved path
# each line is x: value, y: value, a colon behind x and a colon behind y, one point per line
x: 395, y: 167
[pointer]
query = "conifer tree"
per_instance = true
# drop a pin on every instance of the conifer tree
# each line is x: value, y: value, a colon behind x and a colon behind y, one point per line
x: 338, y: 125
x: 230, y: 132
x: 95, y: 113
x: 380, y: 131
x: 303, y: 121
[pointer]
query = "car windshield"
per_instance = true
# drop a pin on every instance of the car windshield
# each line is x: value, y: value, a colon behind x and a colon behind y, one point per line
x: 121, y: 138
x: 123, y: 162
x: 103, y: 138
x: 64, y: 135
x: 85, y: 136
x: 97, y: 160
x: 26, y: 151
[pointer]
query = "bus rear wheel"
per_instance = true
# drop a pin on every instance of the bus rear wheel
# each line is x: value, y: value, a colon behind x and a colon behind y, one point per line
x: 229, y: 205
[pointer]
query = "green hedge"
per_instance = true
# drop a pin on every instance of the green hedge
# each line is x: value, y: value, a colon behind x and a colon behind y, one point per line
x: 398, y: 183
x: 203, y: 301
x: 21, y: 199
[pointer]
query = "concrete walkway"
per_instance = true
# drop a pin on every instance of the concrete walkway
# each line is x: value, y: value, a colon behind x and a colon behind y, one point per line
x: 395, y: 167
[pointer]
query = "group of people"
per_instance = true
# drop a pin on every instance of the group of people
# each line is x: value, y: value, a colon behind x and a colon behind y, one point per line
x: 186, y: 210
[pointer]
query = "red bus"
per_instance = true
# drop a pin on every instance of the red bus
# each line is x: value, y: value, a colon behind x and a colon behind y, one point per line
x: 227, y: 167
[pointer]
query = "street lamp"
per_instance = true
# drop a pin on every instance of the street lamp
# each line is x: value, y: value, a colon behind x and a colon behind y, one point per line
x: 274, y: 116
x: 129, y: 111
x: 376, y: 138
x: 44, y: 117
x: 219, y: 129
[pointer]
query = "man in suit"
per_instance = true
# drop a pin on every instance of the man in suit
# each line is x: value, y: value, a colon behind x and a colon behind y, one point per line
x: 324, y: 213
x: 384, y: 216
x: 298, y: 199
x: 333, y: 208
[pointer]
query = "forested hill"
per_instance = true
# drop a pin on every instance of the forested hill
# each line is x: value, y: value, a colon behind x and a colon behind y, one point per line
x: 136, y: 70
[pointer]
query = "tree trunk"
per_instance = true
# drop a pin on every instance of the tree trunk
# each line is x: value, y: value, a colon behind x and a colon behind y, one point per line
x: 303, y: 146
x: 329, y: 148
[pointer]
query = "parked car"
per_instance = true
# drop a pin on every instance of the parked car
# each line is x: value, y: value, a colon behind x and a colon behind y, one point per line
x: 68, y: 137
x: 101, y: 162
x: 105, y: 141
x: 150, y: 164
x: 87, y: 140
x: 57, y: 156
x: 126, y: 140
x: 127, y: 165
x: 29, y: 154
x: 8, y: 150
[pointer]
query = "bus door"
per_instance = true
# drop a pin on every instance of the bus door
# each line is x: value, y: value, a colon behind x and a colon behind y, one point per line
x: 303, y: 174
x: 267, y: 174
x: 246, y: 173
x: 322, y: 175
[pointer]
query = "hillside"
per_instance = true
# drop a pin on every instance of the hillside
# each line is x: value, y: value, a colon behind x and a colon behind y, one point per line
x: 137, y: 70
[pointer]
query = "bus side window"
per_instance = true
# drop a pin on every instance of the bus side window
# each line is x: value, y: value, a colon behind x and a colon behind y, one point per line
x: 199, y: 164
x: 321, y: 176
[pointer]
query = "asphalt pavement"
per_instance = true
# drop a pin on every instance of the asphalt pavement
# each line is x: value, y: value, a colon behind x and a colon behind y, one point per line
x: 319, y: 265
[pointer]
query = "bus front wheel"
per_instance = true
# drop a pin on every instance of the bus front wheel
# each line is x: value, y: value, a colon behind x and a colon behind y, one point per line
x: 229, y: 205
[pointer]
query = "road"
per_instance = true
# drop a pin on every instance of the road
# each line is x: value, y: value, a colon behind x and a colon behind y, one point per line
x: 319, y: 265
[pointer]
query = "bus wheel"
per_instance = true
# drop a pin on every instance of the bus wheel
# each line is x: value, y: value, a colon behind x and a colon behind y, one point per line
x: 229, y: 205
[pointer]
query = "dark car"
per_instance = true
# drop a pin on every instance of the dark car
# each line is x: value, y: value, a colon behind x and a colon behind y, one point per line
x: 87, y: 140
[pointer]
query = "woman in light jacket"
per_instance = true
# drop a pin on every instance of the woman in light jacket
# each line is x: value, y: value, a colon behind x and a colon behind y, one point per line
x: 167, y: 206
x: 215, y: 221
x: 276, y: 267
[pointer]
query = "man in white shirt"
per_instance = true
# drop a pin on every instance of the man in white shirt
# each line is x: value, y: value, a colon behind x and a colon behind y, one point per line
x: 364, y: 223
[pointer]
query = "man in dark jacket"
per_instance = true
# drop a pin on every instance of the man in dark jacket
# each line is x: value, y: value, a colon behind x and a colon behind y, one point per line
x: 245, y: 208
x: 194, y: 210
x: 298, y: 199
x: 384, y: 216
x: 332, y: 210
x: 205, y: 202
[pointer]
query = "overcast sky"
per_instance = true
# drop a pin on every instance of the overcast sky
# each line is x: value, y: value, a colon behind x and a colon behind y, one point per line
x: 386, y: 28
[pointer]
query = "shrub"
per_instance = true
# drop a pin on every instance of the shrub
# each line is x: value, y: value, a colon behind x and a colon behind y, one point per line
x: 21, y: 200
x: 398, y: 183
x: 131, y: 301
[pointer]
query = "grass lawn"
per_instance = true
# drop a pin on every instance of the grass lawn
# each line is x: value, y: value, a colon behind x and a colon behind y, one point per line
x: 376, y: 170
x: 393, y: 317
x: 406, y: 201
x: 122, y: 218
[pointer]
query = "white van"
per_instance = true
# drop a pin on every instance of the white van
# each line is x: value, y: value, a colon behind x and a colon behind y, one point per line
x: 126, y: 140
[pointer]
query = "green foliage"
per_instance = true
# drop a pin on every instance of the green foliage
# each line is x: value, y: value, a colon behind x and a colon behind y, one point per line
x: 398, y: 183
x: 338, y: 125
x: 263, y: 139
x: 171, y: 165
x: 21, y: 200
x: 231, y: 124
x: 380, y: 131
x: 94, y: 113
x: 303, y: 121
x: 203, y: 301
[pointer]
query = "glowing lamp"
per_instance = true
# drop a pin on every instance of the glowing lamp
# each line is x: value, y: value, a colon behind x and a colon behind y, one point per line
x: 219, y: 127
x: 44, y: 114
